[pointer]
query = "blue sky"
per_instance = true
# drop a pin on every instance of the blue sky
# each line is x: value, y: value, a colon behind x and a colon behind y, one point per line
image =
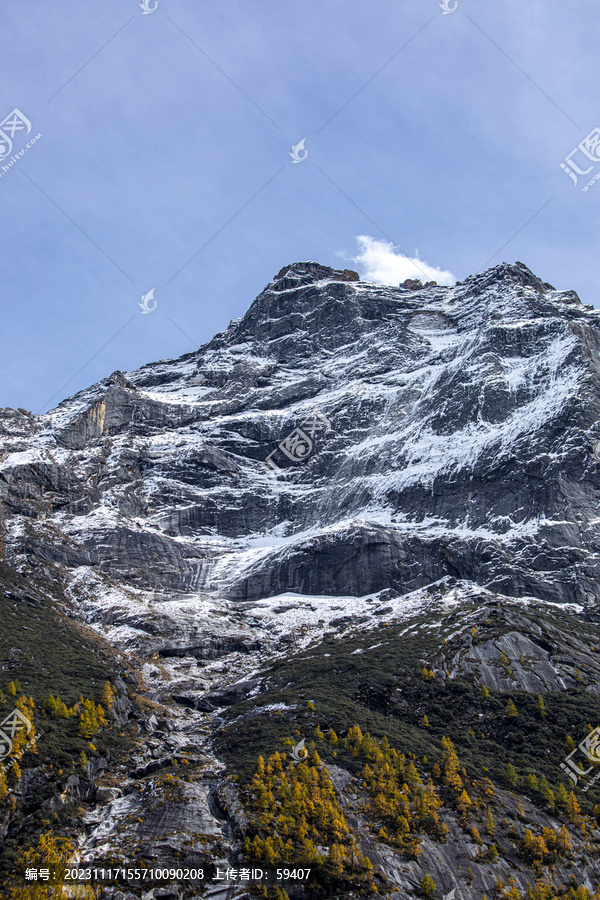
x: 164, y: 161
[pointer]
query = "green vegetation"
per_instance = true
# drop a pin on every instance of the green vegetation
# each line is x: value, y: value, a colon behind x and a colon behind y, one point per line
x: 428, y: 886
x: 296, y: 817
x: 57, y: 673
x: 296, y: 820
x: 387, y: 692
x: 49, y: 852
x: 456, y: 739
x: 44, y: 650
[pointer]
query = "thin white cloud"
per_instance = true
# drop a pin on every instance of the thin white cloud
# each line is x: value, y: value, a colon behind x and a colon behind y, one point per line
x: 380, y: 261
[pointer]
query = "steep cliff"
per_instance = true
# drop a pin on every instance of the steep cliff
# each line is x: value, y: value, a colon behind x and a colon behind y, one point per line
x: 381, y: 502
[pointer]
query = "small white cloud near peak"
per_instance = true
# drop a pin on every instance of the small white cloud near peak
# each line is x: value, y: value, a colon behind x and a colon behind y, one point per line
x: 381, y: 262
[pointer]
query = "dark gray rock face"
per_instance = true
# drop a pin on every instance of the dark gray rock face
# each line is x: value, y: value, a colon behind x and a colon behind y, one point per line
x: 413, y: 433
x: 421, y: 448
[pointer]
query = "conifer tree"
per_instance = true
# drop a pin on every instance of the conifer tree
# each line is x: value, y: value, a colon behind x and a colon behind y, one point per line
x: 476, y: 837
x: 532, y: 782
x: 428, y: 886
x: 108, y: 696
x: 563, y: 841
x: 463, y: 804
x: 25, y: 738
x: 412, y: 776
x: 335, y: 859
x: 547, y: 792
x: 451, y: 766
x: 529, y: 842
x: 573, y: 808
x: 49, y: 705
x: 50, y: 852
x: 354, y: 734
x: 91, y: 718
x: 498, y: 887
x: 562, y: 797
x: 511, y: 709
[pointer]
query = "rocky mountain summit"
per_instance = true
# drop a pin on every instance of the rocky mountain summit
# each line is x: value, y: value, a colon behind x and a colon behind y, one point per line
x: 396, y: 484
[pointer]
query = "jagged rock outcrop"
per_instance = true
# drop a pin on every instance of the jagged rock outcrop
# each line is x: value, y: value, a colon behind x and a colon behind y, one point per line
x: 464, y: 417
x: 344, y: 458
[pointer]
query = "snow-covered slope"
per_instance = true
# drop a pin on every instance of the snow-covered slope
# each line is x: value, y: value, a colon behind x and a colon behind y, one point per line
x: 452, y: 432
x: 346, y: 456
